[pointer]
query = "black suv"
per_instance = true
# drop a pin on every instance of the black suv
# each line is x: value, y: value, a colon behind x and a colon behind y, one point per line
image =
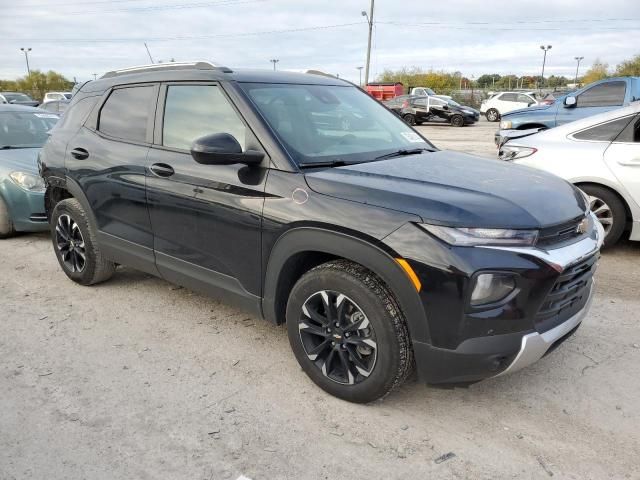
x: 377, y: 250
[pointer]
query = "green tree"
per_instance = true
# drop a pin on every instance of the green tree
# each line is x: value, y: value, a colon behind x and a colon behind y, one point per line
x: 598, y: 71
x: 441, y: 82
x: 488, y: 80
x: 629, y: 67
x: 38, y: 83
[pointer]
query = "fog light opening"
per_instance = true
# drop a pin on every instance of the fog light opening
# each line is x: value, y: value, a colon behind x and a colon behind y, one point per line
x: 491, y: 288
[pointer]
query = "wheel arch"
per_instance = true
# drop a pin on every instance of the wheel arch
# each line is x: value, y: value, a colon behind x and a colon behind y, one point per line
x: 302, y: 248
x: 612, y: 189
x: 58, y: 190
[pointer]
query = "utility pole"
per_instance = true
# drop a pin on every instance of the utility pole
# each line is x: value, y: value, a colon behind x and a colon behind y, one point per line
x: 360, y: 71
x: 274, y: 61
x: 544, y: 60
x: 148, y: 52
x: 26, y: 56
x: 370, y: 22
x: 579, y: 59
x: 95, y: 76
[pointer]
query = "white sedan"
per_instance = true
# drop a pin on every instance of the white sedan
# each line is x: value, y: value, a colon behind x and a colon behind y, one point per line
x: 500, y: 103
x: 599, y: 154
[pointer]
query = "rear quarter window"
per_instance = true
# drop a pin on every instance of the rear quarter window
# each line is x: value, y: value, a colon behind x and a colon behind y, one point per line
x: 605, y: 132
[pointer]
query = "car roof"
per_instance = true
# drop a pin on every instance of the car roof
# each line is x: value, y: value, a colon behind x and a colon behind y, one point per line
x: 12, y: 107
x: 206, y: 72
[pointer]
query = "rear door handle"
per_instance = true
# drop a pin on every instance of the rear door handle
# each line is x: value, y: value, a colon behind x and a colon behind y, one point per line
x: 79, y: 153
x: 162, y: 169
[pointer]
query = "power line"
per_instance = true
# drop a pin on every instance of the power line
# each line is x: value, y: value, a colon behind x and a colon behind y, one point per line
x: 68, y: 4
x: 178, y: 38
x: 491, y: 26
x: 154, y: 8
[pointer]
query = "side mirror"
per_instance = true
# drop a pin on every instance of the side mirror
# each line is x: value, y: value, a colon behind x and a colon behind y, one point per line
x: 223, y: 149
x: 12, y: 101
x: 530, y: 103
x: 570, y: 101
x: 445, y: 107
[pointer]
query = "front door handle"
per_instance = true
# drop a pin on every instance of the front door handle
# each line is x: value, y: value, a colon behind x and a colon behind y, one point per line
x: 79, y: 153
x: 632, y: 162
x: 162, y: 169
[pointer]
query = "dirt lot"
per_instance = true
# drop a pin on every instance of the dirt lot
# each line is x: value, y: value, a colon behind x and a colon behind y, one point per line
x: 137, y: 379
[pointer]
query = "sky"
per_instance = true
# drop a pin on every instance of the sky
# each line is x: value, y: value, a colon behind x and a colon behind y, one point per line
x: 80, y: 38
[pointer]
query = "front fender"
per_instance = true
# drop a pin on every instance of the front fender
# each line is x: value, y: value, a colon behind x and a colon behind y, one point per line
x: 376, y: 258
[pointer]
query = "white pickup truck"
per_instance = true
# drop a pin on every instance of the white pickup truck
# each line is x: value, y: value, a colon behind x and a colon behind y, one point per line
x: 426, y: 92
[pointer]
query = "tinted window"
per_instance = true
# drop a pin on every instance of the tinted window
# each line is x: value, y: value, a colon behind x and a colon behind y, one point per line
x: 193, y: 111
x: 509, y: 97
x: 605, y: 132
x: 525, y: 99
x: 631, y: 134
x: 603, y: 95
x: 126, y: 112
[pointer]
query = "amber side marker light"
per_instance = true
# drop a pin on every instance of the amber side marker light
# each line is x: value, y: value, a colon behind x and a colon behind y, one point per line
x: 410, y: 273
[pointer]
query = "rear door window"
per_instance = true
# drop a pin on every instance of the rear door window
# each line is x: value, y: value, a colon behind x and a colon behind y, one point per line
x: 509, y: 97
x: 605, y: 132
x: 603, y: 95
x: 126, y: 113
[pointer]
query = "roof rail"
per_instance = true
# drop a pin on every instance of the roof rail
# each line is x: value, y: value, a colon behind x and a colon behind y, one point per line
x: 202, y: 65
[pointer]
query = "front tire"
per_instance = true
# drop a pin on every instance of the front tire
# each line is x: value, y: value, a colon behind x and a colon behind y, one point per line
x: 457, y: 121
x: 348, y: 333
x: 6, y: 225
x: 410, y: 119
x: 76, y: 246
x: 492, y: 115
x: 609, y: 210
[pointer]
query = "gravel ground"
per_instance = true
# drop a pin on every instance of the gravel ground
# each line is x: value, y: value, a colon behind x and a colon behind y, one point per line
x: 138, y: 379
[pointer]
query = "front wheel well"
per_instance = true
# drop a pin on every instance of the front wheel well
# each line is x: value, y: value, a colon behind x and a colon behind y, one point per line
x: 52, y: 197
x: 294, y: 268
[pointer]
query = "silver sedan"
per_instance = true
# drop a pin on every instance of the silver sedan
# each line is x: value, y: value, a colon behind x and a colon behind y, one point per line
x: 599, y: 154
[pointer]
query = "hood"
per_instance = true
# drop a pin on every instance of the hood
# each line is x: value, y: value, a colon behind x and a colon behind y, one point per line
x: 528, y: 110
x: 19, y: 159
x: 455, y: 189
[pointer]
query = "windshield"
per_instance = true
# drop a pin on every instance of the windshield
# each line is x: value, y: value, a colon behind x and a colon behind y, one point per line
x: 18, y: 97
x: 453, y: 103
x: 25, y: 130
x: 324, y: 123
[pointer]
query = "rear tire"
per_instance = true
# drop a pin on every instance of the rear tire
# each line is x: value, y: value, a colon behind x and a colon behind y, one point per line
x: 610, y: 211
x: 344, y: 303
x: 6, y: 225
x: 410, y: 119
x: 75, y: 245
x: 457, y: 121
x: 492, y: 115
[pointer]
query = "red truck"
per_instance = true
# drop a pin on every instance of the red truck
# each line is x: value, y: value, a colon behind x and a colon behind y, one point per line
x: 385, y: 90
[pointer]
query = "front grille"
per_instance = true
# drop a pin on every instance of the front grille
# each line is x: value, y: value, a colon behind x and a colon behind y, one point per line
x: 568, y: 295
x: 558, y: 234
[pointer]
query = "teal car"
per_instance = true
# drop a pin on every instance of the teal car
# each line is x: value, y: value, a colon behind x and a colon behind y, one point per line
x: 23, y: 131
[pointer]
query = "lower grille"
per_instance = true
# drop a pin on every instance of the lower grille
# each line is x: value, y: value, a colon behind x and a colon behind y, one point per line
x: 568, y: 295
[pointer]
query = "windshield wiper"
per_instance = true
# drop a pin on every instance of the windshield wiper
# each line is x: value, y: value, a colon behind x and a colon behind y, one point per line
x: 10, y: 147
x: 328, y: 163
x: 403, y: 152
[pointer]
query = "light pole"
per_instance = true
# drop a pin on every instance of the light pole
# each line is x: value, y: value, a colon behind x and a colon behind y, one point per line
x: 95, y: 76
x: 360, y: 72
x: 370, y: 22
x: 26, y: 57
x: 274, y: 61
x: 544, y: 60
x: 579, y: 59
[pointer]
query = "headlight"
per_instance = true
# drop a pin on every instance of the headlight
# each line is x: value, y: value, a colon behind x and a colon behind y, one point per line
x: 491, y: 288
x: 470, y: 237
x: 27, y: 181
x: 506, y: 124
x: 511, y: 152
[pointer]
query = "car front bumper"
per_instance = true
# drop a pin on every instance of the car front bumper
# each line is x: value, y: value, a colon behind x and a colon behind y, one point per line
x: 25, y: 208
x: 466, y: 345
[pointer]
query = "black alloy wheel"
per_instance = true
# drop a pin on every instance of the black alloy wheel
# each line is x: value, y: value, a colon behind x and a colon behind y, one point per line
x: 410, y: 118
x: 337, y: 337
x: 70, y: 244
x: 457, y: 121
